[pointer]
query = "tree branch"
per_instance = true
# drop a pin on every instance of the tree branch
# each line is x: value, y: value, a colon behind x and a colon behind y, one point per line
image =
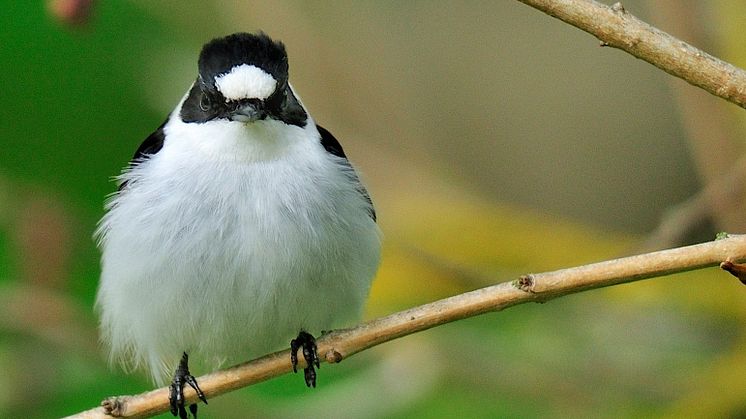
x: 338, y: 345
x: 617, y: 28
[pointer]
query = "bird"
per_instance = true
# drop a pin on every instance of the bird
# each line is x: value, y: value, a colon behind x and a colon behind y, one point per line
x: 238, y: 226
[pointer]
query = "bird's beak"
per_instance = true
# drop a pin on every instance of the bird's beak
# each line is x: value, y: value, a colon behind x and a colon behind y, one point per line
x: 248, y: 112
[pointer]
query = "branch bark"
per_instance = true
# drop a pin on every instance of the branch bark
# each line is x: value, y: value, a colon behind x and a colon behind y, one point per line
x: 617, y: 28
x: 340, y: 344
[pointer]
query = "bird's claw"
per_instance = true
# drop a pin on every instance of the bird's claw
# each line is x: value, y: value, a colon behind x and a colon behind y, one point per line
x: 307, y: 342
x: 182, y: 376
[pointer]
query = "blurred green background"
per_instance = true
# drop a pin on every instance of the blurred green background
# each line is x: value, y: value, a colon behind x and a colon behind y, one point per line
x: 494, y: 140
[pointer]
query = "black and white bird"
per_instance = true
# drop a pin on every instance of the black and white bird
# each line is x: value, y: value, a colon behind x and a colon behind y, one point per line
x: 238, y: 226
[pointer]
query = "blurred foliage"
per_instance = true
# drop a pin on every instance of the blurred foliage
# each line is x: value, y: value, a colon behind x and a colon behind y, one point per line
x: 495, y: 141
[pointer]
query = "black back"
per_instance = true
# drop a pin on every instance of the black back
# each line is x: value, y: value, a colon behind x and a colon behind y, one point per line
x: 333, y: 147
x: 151, y: 145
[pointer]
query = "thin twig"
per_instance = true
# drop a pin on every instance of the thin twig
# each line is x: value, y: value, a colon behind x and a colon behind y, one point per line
x: 338, y: 345
x: 736, y: 269
x: 723, y: 195
x: 617, y: 28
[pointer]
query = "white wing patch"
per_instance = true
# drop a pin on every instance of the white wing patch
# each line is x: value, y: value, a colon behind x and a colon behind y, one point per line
x: 246, y: 82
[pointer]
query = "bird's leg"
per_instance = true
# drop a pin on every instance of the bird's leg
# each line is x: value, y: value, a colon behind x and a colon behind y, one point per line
x: 306, y: 341
x: 176, y: 389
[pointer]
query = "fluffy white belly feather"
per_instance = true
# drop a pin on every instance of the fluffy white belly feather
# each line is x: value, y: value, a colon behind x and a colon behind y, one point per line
x: 226, y: 249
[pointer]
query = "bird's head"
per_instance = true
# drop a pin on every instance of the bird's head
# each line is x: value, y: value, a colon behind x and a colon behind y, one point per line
x: 243, y: 78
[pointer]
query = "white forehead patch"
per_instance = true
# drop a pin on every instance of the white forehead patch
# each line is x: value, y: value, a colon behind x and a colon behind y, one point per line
x: 246, y: 82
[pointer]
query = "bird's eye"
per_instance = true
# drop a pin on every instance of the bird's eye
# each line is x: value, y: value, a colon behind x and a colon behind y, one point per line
x: 204, y: 103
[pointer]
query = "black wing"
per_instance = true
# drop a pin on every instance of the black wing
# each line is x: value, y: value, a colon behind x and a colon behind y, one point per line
x: 332, y: 146
x: 151, y: 145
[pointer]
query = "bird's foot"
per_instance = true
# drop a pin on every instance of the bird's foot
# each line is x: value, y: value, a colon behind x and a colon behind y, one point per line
x: 306, y: 341
x: 176, y: 390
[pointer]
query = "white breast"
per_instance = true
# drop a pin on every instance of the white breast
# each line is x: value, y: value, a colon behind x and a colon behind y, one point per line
x: 230, y: 240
